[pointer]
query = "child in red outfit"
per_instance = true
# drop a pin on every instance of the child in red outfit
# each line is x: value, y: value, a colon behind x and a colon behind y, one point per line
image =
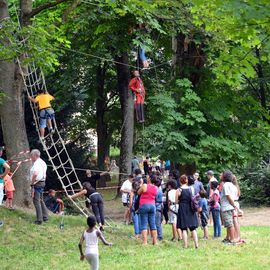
x: 9, y: 189
x: 136, y: 85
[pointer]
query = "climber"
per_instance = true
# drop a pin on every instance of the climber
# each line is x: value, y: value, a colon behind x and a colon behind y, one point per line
x: 46, y: 113
x: 136, y: 85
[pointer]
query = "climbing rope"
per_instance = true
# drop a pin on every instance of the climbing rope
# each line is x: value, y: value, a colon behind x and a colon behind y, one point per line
x: 53, y: 145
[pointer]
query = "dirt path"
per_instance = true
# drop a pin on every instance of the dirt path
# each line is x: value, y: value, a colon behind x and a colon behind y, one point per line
x: 252, y: 216
x: 256, y: 217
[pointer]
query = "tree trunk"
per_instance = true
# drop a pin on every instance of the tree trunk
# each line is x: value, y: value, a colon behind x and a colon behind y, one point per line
x: 127, y: 107
x: 102, y: 127
x: 12, y: 119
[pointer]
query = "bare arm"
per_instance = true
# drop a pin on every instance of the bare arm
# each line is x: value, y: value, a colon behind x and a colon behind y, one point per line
x: 34, y: 178
x: 80, y: 247
x: 142, y: 189
x: 231, y: 201
x: 32, y: 99
x: 79, y: 194
x: 104, y: 241
x: 177, y: 195
x: 7, y: 169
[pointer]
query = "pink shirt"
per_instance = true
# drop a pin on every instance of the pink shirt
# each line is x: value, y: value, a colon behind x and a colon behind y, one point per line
x: 9, y: 183
x: 149, y: 197
x: 215, y: 197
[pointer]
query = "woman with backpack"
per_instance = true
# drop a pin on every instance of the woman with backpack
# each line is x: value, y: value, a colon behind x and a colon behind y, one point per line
x: 187, y: 217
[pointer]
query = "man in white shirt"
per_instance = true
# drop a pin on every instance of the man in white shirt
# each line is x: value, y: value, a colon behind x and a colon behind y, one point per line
x: 228, y: 205
x: 126, y: 190
x: 38, y: 177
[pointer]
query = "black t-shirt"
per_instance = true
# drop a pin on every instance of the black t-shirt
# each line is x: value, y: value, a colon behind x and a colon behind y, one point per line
x: 93, y: 180
x: 51, y: 203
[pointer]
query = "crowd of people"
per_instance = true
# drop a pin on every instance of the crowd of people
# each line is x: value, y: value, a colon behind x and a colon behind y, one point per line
x: 184, y: 203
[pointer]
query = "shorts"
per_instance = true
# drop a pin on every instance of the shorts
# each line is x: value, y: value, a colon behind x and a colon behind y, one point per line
x: 204, y: 219
x: 9, y: 194
x: 44, y: 115
x: 228, y: 218
x: 172, y: 215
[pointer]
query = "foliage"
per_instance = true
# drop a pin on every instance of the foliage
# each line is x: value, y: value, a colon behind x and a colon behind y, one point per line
x: 255, y: 183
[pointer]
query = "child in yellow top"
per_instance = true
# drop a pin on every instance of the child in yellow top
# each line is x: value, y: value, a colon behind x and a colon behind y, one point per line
x: 46, y: 113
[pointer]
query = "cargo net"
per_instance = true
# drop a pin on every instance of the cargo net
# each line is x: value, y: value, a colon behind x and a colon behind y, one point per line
x: 53, y: 144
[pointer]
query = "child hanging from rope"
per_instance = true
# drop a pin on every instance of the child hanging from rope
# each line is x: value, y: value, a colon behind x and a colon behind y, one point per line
x: 46, y: 113
x: 90, y: 236
x: 136, y: 85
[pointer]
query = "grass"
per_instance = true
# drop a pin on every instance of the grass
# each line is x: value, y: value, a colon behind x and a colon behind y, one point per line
x: 25, y: 246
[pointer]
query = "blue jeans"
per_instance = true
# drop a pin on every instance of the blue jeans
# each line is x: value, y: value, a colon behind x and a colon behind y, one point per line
x: 148, y: 216
x: 216, y: 221
x: 136, y: 223
x: 44, y: 115
x: 159, y: 224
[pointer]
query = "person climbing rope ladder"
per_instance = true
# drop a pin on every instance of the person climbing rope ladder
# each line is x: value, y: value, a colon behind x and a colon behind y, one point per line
x: 46, y: 113
x: 136, y: 85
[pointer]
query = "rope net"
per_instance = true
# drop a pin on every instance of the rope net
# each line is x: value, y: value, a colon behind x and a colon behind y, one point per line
x: 53, y: 144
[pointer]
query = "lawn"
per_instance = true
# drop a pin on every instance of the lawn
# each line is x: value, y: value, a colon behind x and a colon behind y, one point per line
x: 25, y: 246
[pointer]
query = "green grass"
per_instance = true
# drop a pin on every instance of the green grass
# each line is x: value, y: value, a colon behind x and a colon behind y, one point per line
x: 25, y: 246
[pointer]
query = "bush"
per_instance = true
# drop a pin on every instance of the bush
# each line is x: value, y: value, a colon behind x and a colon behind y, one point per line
x: 255, y: 184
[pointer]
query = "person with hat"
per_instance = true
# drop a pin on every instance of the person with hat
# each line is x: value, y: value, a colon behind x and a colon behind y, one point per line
x: 46, y: 112
x: 4, y: 170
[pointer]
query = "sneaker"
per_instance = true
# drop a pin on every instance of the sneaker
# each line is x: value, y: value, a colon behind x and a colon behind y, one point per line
x: 1, y: 223
x: 45, y: 219
x: 37, y: 222
x: 52, y: 131
x: 225, y: 240
x: 101, y: 228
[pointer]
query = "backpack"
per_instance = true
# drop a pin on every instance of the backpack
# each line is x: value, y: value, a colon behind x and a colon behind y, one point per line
x: 194, y: 203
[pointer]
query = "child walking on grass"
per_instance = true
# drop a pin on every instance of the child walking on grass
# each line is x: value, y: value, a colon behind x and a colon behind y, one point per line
x: 90, y: 236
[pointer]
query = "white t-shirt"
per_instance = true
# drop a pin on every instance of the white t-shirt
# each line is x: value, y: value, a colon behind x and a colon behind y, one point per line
x: 39, y: 167
x: 228, y: 189
x: 171, y: 195
x: 235, y: 193
x: 91, y: 242
x: 127, y: 185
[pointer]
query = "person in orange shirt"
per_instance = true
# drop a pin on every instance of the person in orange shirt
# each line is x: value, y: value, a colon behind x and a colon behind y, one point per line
x: 9, y: 189
x: 46, y: 113
x: 136, y: 85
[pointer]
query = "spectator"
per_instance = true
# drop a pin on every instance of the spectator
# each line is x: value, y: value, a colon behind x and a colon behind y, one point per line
x: 135, y: 164
x: 91, y: 236
x: 215, y: 209
x: 147, y: 210
x: 9, y: 189
x: 204, y: 213
x: 228, y: 206
x: 38, y: 178
x: 134, y: 204
x: 138, y: 175
x: 95, y: 200
x: 167, y: 167
x: 173, y: 209
x: 4, y: 170
x: 211, y: 178
x: 186, y: 218
x: 146, y: 165
x: 53, y: 203
x: 126, y: 190
x: 198, y: 185
x: 237, y: 211
x: 159, y: 206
